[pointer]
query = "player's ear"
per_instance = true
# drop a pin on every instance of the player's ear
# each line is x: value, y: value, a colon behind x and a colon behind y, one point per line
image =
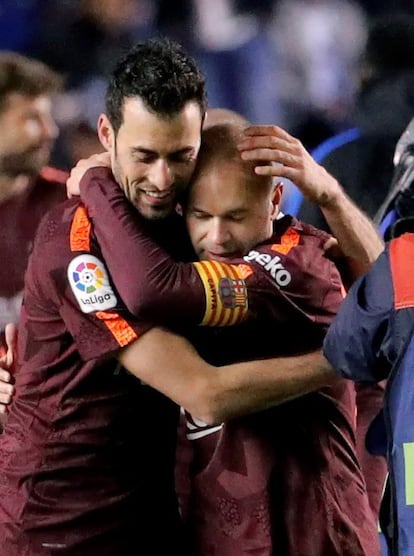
x: 275, y: 199
x: 105, y: 132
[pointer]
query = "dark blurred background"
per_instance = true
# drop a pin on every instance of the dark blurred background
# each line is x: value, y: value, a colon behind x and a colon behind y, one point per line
x: 296, y: 63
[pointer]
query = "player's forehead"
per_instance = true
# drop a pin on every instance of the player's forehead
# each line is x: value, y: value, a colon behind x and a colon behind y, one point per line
x: 17, y: 103
x: 142, y: 128
x: 225, y: 177
x: 220, y: 191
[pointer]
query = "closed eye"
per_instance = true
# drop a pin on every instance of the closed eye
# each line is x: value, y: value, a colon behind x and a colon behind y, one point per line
x: 236, y: 216
x: 182, y: 157
x: 200, y: 215
x: 143, y: 156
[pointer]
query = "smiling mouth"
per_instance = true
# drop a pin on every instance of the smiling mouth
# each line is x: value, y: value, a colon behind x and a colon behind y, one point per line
x: 156, y: 198
x: 158, y: 195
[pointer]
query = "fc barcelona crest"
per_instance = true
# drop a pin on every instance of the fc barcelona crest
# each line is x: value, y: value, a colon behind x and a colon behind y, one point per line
x: 232, y: 293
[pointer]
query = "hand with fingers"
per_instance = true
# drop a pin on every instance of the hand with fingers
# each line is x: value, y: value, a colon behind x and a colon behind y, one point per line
x: 6, y: 369
x: 288, y: 158
x: 94, y: 161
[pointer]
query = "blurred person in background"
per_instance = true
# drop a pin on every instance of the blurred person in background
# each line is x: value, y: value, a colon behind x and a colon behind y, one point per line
x: 237, y: 57
x: 82, y: 39
x: 363, y: 160
x: 229, y: 38
x: 318, y: 43
x: 28, y: 188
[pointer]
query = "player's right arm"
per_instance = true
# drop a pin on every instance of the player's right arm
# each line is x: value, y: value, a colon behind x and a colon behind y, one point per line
x: 170, y: 364
x: 62, y: 322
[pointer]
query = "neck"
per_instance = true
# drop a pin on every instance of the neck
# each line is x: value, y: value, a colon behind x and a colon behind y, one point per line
x: 12, y: 186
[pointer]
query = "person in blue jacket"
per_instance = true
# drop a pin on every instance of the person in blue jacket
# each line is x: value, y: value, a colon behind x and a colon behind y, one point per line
x: 371, y: 339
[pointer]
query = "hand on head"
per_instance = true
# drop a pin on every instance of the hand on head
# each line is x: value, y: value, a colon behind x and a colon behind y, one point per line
x: 287, y: 158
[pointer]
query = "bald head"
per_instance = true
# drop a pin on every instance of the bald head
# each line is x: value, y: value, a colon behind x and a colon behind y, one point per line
x: 216, y: 116
x: 229, y: 208
x: 219, y: 147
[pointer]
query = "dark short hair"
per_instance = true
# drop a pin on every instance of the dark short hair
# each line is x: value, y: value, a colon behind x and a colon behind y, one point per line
x: 159, y: 72
x: 19, y: 74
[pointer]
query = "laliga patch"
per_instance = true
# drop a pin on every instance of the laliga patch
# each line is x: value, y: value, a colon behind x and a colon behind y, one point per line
x: 232, y: 293
x: 88, y: 279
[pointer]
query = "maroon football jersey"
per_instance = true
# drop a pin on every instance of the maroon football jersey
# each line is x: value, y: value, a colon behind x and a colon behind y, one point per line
x: 285, y: 481
x: 20, y: 217
x: 87, y: 456
x: 370, y: 401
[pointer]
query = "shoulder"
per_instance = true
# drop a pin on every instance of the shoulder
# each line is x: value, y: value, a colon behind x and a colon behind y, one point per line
x: 49, y: 187
x: 51, y: 256
x: 401, y: 251
x: 53, y: 233
x: 294, y: 258
x: 398, y: 259
x: 293, y: 242
x: 310, y: 233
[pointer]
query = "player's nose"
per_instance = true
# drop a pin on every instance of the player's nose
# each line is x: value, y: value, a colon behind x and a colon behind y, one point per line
x: 161, y: 175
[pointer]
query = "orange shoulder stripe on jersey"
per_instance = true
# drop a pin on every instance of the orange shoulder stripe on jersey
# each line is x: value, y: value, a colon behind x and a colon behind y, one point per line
x: 123, y: 333
x: 245, y: 270
x: 225, y: 293
x: 80, y: 231
x: 402, y: 270
x: 288, y: 241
